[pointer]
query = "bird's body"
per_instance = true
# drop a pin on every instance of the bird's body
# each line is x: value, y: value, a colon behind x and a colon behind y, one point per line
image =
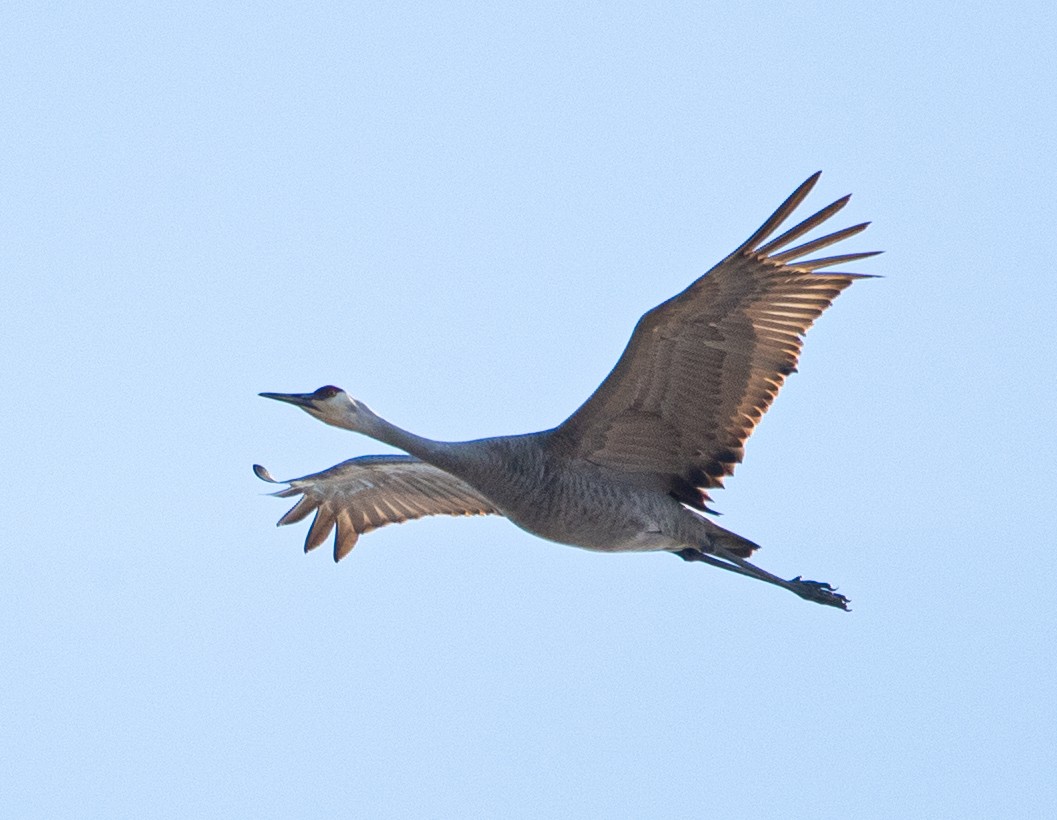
x: 575, y: 503
x: 629, y: 470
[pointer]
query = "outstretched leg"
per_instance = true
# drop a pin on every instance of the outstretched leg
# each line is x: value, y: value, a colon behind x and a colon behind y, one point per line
x: 815, y: 591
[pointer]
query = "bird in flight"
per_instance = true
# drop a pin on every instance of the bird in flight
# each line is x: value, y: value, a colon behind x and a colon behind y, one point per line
x: 632, y: 468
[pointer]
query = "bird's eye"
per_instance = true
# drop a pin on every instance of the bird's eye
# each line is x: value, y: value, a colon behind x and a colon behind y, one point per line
x: 327, y: 392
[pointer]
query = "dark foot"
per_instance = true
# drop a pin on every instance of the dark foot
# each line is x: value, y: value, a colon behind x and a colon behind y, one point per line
x: 819, y: 592
x: 815, y: 591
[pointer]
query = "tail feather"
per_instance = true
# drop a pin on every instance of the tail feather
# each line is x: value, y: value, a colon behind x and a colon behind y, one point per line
x: 730, y: 541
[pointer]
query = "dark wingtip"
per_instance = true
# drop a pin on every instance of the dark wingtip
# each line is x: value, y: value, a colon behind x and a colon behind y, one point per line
x: 263, y: 474
x: 792, y: 202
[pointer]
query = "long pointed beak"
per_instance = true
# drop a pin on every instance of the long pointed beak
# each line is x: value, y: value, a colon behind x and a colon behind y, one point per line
x: 305, y: 400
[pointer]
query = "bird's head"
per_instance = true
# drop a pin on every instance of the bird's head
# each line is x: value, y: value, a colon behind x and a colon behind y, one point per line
x: 331, y: 405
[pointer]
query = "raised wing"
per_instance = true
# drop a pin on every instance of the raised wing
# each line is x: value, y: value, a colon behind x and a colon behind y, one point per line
x: 701, y: 369
x: 368, y: 492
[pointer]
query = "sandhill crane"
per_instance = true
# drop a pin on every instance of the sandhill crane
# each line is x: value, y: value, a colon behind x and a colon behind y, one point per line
x: 630, y: 470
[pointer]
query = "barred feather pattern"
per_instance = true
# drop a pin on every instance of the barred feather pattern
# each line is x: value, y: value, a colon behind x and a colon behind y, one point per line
x: 362, y: 494
x: 703, y: 367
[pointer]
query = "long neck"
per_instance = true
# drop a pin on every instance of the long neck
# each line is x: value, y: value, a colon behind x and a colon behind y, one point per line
x: 441, y: 454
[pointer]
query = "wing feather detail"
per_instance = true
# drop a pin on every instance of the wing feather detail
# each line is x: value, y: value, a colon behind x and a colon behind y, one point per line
x: 365, y: 493
x: 702, y: 368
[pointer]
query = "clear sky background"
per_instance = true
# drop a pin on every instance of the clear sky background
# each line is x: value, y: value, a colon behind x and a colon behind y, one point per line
x: 458, y: 213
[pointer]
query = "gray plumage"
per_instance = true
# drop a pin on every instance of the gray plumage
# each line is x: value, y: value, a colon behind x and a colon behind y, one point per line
x: 630, y: 470
x: 362, y: 494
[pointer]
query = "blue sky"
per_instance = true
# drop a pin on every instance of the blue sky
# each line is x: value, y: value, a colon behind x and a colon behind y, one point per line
x: 458, y: 213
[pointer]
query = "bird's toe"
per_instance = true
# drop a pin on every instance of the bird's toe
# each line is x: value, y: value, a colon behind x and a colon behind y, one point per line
x: 819, y: 592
